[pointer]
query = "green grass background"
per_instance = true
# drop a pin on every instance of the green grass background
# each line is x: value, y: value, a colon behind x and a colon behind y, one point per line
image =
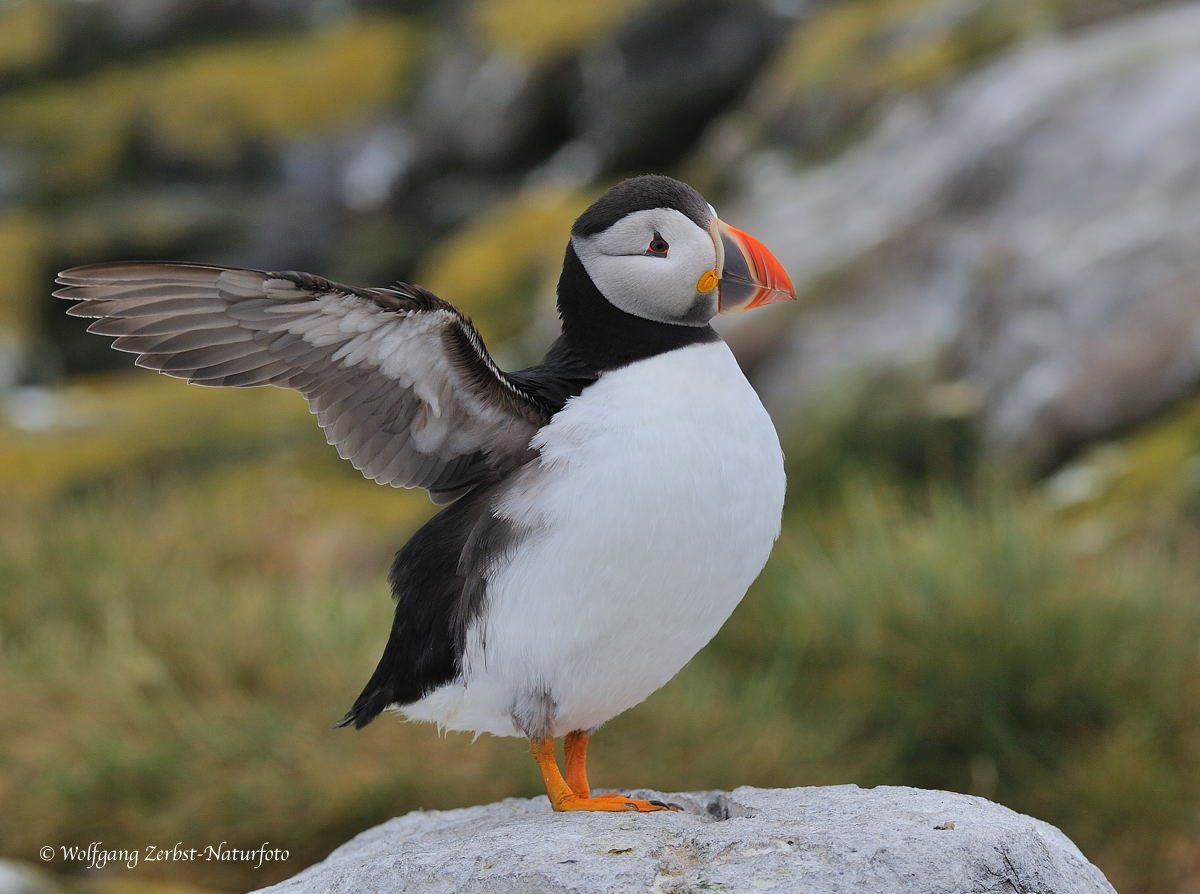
x: 193, y: 592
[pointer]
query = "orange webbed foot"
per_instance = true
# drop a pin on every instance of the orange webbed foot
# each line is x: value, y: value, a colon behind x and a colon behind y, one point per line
x: 643, y: 806
x: 612, y: 803
x: 573, y: 792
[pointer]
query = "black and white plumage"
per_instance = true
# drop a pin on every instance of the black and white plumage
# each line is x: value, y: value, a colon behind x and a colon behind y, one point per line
x: 608, y: 507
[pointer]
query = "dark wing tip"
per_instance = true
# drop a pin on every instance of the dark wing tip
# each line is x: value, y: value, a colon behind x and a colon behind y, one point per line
x: 110, y: 272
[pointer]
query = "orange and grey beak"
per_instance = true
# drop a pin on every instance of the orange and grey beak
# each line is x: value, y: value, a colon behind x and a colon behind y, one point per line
x: 750, y: 276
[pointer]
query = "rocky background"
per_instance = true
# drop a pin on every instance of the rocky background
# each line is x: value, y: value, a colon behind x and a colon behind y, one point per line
x: 988, y: 577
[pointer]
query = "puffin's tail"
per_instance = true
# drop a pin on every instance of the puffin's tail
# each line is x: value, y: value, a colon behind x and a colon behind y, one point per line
x: 376, y: 696
x: 381, y: 690
x: 412, y: 665
x: 422, y: 648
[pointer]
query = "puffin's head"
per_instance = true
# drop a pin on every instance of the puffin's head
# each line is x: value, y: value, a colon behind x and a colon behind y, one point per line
x: 657, y: 250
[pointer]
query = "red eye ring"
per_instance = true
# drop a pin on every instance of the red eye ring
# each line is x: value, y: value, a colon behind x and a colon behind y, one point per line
x: 658, y: 246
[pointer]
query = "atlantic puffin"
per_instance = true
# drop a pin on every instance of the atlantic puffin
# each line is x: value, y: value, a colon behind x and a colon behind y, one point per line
x: 605, y: 510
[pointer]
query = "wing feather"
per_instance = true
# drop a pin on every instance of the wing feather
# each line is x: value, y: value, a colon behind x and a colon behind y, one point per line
x: 398, y: 379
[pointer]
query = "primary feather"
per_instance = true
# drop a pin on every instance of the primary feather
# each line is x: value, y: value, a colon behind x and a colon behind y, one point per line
x: 399, y: 379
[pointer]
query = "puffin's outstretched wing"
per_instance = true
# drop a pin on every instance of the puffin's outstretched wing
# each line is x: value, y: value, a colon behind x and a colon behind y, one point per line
x: 398, y: 378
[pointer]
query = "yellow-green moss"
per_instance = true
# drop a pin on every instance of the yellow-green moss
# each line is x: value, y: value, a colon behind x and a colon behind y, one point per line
x: 203, y: 105
x: 1153, y: 474
x: 926, y: 63
x: 273, y: 89
x: 109, y: 427
x: 489, y: 266
x: 539, y: 32
x: 155, y: 222
x: 868, y: 48
x: 23, y: 238
x: 104, y: 424
x: 831, y: 44
x: 28, y: 34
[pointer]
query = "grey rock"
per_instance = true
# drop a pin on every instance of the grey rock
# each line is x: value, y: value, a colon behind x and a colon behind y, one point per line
x: 311, y: 176
x: 823, y: 840
x: 1034, y: 228
x: 93, y: 34
x: 17, y: 877
x: 485, y: 110
x: 644, y: 100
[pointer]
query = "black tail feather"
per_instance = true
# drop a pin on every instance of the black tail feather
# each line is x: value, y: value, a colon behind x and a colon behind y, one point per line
x: 369, y: 705
x: 428, y: 629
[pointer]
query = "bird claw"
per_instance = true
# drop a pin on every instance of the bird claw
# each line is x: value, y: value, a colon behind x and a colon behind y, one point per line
x: 613, y: 802
x: 653, y: 802
x: 669, y: 805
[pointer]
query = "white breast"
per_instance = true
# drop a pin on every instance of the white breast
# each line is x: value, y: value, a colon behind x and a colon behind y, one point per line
x: 653, y: 506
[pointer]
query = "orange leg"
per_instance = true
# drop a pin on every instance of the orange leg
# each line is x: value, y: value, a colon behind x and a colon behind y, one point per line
x: 560, y: 793
x: 575, y: 747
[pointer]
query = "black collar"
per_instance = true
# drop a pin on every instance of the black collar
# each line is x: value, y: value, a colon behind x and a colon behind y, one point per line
x: 607, y: 337
x: 597, y: 336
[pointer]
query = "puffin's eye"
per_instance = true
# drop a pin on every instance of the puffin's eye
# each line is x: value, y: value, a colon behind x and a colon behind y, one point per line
x: 658, y: 246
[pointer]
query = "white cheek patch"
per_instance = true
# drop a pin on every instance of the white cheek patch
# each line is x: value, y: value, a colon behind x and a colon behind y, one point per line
x: 647, y: 286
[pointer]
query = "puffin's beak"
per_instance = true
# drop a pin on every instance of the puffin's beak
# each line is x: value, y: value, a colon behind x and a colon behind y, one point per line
x: 750, y: 276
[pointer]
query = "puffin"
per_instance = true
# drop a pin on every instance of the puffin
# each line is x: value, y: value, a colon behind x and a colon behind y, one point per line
x: 604, y: 511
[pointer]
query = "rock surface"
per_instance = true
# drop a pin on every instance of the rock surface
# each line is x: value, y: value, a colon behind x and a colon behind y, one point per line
x: 817, y: 840
x: 1034, y: 227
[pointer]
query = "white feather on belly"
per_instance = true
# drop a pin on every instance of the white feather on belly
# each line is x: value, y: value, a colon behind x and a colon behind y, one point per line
x: 653, y: 505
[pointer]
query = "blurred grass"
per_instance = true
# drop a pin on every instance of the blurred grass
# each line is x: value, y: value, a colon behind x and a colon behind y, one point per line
x: 958, y: 641
x: 193, y: 591
x: 184, y: 619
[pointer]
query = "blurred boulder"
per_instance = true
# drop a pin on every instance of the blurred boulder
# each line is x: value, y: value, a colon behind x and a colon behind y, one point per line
x: 632, y: 91
x: 1032, y: 230
x: 488, y: 110
x: 84, y: 36
x: 836, y: 71
x: 829, y: 840
x: 647, y: 95
x: 24, y: 878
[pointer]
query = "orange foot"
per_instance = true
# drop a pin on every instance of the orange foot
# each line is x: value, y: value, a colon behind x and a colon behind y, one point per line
x: 576, y: 796
x: 613, y: 803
